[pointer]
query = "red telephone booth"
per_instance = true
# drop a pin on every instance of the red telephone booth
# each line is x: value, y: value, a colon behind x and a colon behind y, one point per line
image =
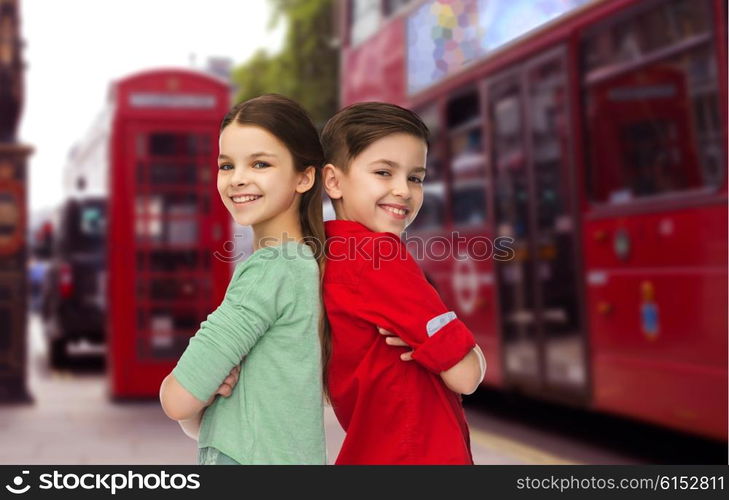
x: 166, y: 222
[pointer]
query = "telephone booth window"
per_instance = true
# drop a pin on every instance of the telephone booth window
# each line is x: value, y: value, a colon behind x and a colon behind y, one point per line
x: 171, y: 209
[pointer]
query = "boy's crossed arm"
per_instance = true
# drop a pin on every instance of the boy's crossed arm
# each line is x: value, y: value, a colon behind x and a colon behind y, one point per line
x: 464, y: 377
x: 399, y: 299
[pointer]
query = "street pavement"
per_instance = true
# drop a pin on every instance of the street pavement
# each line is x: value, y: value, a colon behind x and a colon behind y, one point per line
x: 73, y: 421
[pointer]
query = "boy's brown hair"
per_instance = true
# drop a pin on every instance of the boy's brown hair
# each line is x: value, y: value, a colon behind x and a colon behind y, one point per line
x: 354, y: 128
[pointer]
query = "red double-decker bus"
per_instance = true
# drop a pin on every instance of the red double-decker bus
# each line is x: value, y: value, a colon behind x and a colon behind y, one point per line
x: 165, y: 221
x: 592, y: 135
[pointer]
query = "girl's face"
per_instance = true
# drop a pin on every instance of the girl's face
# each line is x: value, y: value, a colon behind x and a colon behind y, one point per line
x: 257, y: 180
x: 383, y: 188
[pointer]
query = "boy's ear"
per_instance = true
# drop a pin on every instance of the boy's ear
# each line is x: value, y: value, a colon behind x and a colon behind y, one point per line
x: 332, y: 179
x: 306, y: 179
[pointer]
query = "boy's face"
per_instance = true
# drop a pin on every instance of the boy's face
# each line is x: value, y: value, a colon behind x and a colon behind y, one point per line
x: 383, y: 188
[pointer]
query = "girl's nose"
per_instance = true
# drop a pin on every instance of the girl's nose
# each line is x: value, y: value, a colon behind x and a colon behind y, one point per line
x: 239, y: 177
x: 401, y: 189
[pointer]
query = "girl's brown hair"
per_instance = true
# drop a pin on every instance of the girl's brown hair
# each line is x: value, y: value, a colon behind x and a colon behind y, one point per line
x: 292, y: 125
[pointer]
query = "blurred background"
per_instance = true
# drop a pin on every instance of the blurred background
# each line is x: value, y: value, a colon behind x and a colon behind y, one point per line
x: 590, y: 135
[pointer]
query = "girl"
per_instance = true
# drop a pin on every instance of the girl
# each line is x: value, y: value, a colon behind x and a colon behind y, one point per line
x: 264, y: 336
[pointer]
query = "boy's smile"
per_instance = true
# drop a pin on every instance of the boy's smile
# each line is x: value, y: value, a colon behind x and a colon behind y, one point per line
x: 383, y: 187
x: 397, y: 211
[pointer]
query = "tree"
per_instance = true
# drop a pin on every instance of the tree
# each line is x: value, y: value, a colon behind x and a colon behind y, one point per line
x: 307, y: 68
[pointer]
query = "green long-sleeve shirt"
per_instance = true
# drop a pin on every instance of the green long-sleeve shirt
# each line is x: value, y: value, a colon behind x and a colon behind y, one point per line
x: 268, y: 322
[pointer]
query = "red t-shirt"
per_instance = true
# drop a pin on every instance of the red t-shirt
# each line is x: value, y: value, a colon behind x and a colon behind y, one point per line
x: 394, y: 412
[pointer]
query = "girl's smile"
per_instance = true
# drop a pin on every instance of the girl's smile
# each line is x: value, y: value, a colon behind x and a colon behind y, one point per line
x: 242, y: 200
x: 399, y: 212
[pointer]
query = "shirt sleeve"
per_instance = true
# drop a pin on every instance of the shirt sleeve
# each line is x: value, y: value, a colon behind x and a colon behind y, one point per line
x: 397, y: 297
x: 249, y: 309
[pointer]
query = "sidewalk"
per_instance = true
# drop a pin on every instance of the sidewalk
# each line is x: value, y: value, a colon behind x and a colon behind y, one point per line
x: 73, y: 422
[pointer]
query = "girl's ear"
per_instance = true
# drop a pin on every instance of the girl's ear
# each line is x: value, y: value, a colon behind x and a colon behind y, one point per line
x: 331, y: 178
x: 306, y: 181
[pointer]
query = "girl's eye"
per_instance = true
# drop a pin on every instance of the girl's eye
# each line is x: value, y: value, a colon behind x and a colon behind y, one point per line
x: 225, y: 166
x: 417, y: 180
x: 383, y: 173
x: 260, y: 164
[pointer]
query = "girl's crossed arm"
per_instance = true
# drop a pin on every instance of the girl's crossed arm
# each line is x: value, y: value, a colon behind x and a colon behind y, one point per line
x: 179, y: 404
x: 215, y: 352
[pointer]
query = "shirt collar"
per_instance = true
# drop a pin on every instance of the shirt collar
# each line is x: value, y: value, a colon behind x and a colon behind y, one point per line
x: 343, y: 227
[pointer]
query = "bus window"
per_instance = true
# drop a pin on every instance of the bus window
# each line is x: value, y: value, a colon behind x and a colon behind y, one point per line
x: 468, y: 162
x: 653, y: 128
x: 508, y: 159
x: 435, y: 151
x: 546, y: 113
x: 392, y: 6
x: 469, y: 208
x: 432, y: 214
x: 364, y: 19
x: 646, y: 31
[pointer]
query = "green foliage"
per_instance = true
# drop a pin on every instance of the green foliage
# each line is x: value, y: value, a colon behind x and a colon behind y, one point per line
x: 306, y: 70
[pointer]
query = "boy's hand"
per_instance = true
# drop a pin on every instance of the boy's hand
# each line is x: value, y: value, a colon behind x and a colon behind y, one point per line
x: 226, y: 388
x: 392, y: 339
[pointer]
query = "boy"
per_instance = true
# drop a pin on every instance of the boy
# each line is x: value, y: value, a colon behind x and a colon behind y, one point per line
x: 393, y: 412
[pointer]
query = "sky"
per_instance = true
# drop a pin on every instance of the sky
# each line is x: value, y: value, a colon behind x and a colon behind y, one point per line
x: 75, y: 48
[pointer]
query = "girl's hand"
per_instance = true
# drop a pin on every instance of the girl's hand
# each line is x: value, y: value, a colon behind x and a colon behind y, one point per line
x: 392, y: 339
x: 226, y: 388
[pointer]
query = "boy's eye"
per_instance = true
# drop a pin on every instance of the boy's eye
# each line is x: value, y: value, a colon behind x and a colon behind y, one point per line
x: 260, y: 164
x: 417, y: 180
x: 225, y: 166
x: 383, y: 173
